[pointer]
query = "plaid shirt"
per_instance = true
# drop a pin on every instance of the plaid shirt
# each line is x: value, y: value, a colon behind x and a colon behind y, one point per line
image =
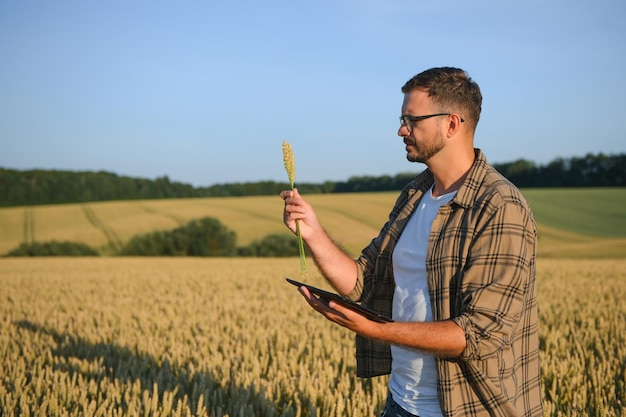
x: 480, y: 269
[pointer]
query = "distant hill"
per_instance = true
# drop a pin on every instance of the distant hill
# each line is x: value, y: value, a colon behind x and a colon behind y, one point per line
x: 35, y: 187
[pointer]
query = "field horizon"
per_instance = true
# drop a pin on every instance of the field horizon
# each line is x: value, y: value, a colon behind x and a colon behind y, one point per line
x: 572, y: 222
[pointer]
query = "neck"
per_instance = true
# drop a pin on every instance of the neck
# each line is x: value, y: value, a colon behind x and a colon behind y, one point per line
x: 450, y: 173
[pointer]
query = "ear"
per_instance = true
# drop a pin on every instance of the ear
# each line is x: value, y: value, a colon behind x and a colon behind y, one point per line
x: 454, y: 125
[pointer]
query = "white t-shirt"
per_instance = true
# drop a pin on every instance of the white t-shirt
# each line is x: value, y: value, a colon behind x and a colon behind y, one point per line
x: 413, y: 382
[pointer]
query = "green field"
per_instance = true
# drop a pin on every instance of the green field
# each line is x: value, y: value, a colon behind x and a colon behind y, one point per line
x: 116, y: 336
x: 588, y: 223
x: 588, y: 211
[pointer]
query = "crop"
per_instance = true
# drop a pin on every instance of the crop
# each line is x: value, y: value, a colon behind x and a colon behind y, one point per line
x: 229, y: 337
x: 290, y: 167
x: 352, y: 220
x: 583, y: 337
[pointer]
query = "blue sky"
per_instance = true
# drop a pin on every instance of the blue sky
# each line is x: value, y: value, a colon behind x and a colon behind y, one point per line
x: 206, y: 91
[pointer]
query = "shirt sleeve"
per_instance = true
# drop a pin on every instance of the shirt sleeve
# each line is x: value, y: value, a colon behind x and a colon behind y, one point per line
x: 496, y: 280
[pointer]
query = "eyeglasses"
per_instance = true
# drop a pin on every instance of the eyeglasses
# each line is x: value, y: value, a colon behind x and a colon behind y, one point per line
x: 408, y: 120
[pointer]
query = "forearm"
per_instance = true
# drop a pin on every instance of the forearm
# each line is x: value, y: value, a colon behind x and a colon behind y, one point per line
x: 334, y: 264
x: 442, y: 338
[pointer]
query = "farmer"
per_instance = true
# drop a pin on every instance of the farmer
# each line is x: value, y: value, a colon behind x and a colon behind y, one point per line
x: 454, y: 266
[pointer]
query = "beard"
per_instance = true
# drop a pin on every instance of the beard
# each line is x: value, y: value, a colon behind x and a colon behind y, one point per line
x: 426, y: 149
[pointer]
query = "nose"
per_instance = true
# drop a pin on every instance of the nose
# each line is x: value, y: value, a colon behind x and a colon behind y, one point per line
x: 404, y: 130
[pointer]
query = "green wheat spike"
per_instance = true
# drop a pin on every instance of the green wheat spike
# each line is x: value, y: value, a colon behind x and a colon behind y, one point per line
x: 290, y: 167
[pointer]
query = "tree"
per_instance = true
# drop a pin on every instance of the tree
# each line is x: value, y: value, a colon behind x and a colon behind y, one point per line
x: 274, y: 245
x: 53, y: 248
x: 204, y: 237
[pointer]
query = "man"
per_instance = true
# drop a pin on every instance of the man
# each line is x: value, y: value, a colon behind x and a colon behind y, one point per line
x: 454, y: 266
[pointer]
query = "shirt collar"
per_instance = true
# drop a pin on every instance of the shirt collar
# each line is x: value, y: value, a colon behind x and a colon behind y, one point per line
x: 466, y: 195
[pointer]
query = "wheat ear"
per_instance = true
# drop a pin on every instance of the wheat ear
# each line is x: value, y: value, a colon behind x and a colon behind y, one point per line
x: 290, y: 167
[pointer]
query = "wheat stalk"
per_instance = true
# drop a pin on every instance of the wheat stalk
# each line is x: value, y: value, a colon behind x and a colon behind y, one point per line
x: 290, y: 167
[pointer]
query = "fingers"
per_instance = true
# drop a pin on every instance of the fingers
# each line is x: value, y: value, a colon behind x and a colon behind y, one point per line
x: 293, y: 203
x: 297, y: 209
x: 285, y: 194
x: 290, y: 194
x: 317, y: 303
x: 324, y: 307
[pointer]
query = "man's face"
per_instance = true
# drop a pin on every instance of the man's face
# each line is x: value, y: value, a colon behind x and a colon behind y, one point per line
x: 425, y: 138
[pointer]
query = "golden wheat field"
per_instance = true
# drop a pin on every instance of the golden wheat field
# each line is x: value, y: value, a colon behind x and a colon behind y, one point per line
x: 228, y: 337
x: 565, y: 230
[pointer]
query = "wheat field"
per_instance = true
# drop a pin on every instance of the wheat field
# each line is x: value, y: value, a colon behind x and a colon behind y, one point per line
x: 596, y: 230
x: 229, y: 337
x: 353, y: 218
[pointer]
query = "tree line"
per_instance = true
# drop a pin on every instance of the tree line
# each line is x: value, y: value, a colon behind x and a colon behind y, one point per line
x: 34, y: 187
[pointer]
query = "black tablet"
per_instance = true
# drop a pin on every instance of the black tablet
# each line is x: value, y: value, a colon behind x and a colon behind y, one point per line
x: 344, y: 301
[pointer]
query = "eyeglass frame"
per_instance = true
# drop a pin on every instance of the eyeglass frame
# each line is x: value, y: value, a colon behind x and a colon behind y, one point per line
x: 406, y: 118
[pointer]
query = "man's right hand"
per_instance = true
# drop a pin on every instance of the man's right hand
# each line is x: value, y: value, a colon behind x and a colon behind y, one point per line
x: 336, y: 266
x: 296, y: 208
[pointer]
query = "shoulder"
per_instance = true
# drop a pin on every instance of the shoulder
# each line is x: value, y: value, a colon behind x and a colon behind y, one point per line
x: 499, y: 189
x: 487, y: 191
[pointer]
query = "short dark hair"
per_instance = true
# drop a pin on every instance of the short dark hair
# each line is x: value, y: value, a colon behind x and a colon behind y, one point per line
x: 451, y: 90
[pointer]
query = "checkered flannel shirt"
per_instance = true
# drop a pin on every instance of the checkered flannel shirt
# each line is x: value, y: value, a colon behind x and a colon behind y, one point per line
x: 481, y: 274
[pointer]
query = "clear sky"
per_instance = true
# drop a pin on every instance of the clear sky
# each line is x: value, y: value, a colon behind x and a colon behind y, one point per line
x: 206, y: 91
